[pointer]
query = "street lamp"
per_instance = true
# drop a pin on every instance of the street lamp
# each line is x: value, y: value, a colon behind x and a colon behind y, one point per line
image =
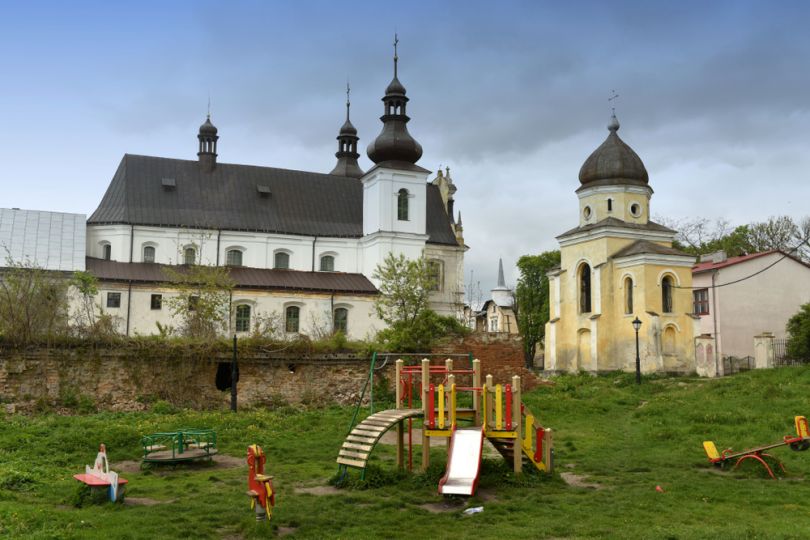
x: 636, y: 327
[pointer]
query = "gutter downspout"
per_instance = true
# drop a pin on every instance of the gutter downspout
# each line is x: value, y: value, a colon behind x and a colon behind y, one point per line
x: 129, y: 304
x: 332, y: 310
x: 714, y: 325
x: 314, y: 239
x: 219, y: 236
x: 131, y: 242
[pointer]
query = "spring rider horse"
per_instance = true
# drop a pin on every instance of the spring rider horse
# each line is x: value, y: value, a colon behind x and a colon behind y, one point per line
x: 260, y: 486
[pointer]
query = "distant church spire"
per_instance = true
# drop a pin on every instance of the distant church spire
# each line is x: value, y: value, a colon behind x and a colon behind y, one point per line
x: 501, y: 280
x: 394, y: 143
x: 207, y: 138
x: 347, y: 146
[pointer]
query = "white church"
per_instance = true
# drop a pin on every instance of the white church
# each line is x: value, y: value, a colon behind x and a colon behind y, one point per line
x: 302, y: 246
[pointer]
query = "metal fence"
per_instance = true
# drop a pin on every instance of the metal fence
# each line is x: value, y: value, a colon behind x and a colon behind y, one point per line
x: 781, y: 357
x: 735, y: 364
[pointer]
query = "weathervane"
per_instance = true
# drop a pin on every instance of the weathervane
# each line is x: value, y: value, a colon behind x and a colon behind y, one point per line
x: 348, y: 103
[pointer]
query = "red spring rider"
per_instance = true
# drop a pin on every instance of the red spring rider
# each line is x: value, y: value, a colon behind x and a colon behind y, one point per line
x: 260, y: 486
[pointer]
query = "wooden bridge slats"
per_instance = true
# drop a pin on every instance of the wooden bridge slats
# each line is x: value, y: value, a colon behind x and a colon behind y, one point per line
x: 353, y: 455
x: 351, y: 462
x: 355, y: 446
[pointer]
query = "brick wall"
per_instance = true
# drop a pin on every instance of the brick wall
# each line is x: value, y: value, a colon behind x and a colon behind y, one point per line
x: 131, y: 380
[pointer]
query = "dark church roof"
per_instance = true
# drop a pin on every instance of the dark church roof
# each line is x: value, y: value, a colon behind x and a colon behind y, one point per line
x: 167, y: 192
x: 615, y: 222
x: 645, y: 246
x: 243, y: 277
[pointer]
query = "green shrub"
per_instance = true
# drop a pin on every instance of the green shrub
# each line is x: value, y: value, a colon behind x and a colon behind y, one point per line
x: 798, y: 328
x: 163, y: 407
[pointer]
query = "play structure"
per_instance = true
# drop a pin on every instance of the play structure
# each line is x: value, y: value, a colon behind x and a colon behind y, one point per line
x: 799, y: 442
x: 260, y: 486
x: 429, y: 392
x: 101, y: 477
x: 185, y: 444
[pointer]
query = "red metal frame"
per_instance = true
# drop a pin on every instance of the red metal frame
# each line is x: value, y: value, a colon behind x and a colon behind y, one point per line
x: 508, y: 407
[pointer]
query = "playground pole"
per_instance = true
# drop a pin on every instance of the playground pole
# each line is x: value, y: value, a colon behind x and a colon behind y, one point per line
x: 476, y: 382
x: 425, y: 401
x: 234, y: 376
x: 517, y: 453
x: 401, y: 424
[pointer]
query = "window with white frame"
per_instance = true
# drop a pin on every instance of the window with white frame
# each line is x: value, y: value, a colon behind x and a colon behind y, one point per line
x: 281, y: 260
x: 341, y: 320
x: 106, y: 251
x: 292, y: 316
x: 328, y: 263
x: 233, y: 257
x: 190, y: 255
x: 148, y: 254
x: 243, y: 318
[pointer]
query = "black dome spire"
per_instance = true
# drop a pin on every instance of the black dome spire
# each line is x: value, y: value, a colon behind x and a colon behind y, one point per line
x: 394, y: 143
x: 208, y: 145
x: 613, y: 163
x: 347, y: 147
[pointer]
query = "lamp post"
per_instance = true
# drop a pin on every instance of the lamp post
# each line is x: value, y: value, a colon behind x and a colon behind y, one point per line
x: 636, y: 327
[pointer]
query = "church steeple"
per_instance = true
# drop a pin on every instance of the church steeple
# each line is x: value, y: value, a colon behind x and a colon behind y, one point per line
x: 208, y: 145
x: 347, y: 147
x: 394, y: 143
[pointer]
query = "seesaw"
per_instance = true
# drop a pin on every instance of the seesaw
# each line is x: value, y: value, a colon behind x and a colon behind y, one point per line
x: 800, y: 442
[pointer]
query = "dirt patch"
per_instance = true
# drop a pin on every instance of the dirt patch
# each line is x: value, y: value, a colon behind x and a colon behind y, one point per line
x: 145, y: 501
x: 286, y: 531
x: 449, y: 505
x: 319, y: 490
x: 576, y: 480
x: 486, y: 495
x: 219, y: 461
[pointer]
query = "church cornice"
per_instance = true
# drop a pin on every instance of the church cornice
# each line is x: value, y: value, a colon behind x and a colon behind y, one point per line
x: 586, y: 191
x: 655, y: 258
x: 574, y: 238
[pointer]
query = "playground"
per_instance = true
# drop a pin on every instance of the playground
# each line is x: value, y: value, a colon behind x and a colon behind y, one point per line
x: 628, y: 462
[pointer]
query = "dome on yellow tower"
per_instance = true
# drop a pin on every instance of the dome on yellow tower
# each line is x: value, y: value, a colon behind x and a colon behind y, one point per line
x: 614, y: 162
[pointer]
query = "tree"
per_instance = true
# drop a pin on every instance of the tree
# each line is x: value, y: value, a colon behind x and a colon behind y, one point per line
x: 404, y: 289
x: 798, y: 328
x: 531, y: 299
x: 33, y: 303
x: 699, y: 236
x: 87, y: 321
x: 403, y: 304
x: 202, y: 302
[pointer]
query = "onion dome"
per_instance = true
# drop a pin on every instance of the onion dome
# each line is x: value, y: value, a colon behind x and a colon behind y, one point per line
x: 208, y: 128
x: 394, y: 143
x: 614, y: 162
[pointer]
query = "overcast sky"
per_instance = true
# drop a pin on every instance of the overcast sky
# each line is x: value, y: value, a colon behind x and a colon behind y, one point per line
x: 512, y: 96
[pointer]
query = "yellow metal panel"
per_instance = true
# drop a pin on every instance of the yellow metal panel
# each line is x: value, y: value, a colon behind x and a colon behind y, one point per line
x: 801, y: 427
x: 438, y: 432
x: 441, y: 406
x: 498, y: 406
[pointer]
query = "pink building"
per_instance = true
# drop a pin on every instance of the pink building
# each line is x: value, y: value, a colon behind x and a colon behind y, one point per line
x: 738, y: 298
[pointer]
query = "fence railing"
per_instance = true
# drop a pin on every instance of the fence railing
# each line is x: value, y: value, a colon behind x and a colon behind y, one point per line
x: 781, y: 357
x: 735, y: 364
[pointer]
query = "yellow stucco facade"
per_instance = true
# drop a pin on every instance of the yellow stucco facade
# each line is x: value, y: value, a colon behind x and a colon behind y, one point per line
x: 615, y: 266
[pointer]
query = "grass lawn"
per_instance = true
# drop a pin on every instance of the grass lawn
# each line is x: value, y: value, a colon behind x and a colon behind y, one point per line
x: 623, y: 439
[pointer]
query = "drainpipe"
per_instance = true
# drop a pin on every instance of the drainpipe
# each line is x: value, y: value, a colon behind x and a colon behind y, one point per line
x: 219, y: 236
x: 314, y: 239
x: 131, y: 241
x: 129, y: 304
x: 332, y: 310
x: 714, y: 325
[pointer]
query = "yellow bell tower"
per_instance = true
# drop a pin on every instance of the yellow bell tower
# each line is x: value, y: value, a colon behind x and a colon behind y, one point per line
x: 617, y: 265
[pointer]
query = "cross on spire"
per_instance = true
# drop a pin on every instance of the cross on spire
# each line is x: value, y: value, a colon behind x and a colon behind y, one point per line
x: 348, y: 102
x: 612, y: 100
x: 396, y: 58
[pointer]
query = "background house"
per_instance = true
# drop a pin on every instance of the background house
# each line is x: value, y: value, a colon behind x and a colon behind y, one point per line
x: 497, y: 314
x: 738, y: 298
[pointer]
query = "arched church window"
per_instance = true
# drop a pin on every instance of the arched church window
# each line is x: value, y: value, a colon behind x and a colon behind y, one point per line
x: 585, y: 288
x: 243, y: 318
x: 610, y: 205
x: 189, y: 255
x: 402, y: 205
x: 107, y: 252
x: 148, y: 254
x: 291, y: 319
x: 628, y: 295
x: 327, y: 263
x: 233, y: 257
x: 281, y: 260
x: 341, y: 320
x: 666, y: 294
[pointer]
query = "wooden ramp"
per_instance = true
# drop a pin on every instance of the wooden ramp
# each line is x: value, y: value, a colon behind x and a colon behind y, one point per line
x: 359, y: 443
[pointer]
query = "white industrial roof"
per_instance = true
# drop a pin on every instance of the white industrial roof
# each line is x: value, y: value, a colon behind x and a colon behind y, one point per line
x: 50, y: 240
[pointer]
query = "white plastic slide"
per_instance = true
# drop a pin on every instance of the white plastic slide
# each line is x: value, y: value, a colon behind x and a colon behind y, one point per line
x: 463, y: 463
